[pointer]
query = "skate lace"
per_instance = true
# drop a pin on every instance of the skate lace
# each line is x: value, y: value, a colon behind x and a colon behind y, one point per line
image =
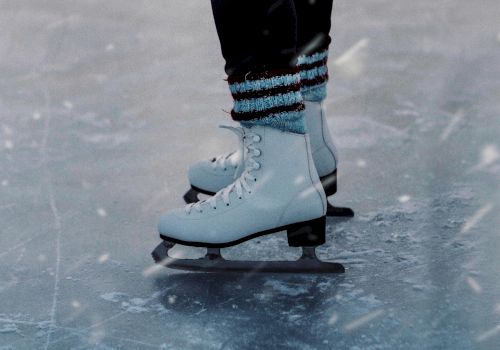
x: 241, y: 184
x: 221, y: 162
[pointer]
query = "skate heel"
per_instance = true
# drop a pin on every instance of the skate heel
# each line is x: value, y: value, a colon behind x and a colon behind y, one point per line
x: 307, y: 233
x: 329, y: 183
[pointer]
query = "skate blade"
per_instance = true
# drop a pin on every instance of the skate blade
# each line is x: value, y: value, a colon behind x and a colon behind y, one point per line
x: 339, y: 211
x: 214, y: 262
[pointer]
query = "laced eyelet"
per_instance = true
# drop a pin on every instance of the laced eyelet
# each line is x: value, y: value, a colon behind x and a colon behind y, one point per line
x: 225, y: 169
x: 257, y: 166
x: 256, y: 138
x: 240, y: 197
x: 255, y: 180
x: 227, y: 204
x: 257, y: 152
x: 214, y: 208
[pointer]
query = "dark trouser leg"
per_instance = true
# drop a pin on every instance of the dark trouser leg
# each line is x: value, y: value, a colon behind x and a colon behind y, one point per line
x: 259, y: 43
x: 313, y: 24
x: 256, y: 35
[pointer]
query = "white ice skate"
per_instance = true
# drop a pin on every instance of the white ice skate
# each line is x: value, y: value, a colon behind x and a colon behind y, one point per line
x: 209, y: 176
x: 278, y: 190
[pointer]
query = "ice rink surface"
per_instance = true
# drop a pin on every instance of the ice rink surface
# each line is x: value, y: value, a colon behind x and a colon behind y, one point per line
x: 105, y: 104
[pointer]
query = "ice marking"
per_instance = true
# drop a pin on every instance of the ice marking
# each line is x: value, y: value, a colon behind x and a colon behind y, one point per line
x: 82, y: 332
x: 57, y: 223
x: 113, y: 296
x: 22, y: 244
x: 9, y: 328
x: 289, y: 289
x: 478, y: 216
x: 77, y: 264
x: 135, y: 305
x: 363, y: 320
x: 91, y: 327
x: 26, y: 323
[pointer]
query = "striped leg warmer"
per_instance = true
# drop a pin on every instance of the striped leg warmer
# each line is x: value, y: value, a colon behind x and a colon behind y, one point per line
x: 271, y: 98
x: 314, y: 75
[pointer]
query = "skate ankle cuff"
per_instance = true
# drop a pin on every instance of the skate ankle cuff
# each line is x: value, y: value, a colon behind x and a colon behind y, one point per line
x: 314, y: 75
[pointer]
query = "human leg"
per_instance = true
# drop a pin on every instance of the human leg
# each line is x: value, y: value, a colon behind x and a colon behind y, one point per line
x: 258, y: 41
x: 278, y: 188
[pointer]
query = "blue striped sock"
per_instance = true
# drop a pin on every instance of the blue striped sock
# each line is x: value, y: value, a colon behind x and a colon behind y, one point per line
x: 314, y: 75
x: 271, y: 98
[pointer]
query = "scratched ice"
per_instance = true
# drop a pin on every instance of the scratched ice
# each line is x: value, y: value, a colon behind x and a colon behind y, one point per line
x: 103, y: 106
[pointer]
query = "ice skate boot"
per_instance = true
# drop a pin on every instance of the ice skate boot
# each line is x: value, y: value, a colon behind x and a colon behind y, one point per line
x: 209, y: 176
x: 324, y: 154
x: 278, y: 190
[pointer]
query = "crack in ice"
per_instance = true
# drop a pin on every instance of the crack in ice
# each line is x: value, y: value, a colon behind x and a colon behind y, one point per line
x: 57, y: 223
